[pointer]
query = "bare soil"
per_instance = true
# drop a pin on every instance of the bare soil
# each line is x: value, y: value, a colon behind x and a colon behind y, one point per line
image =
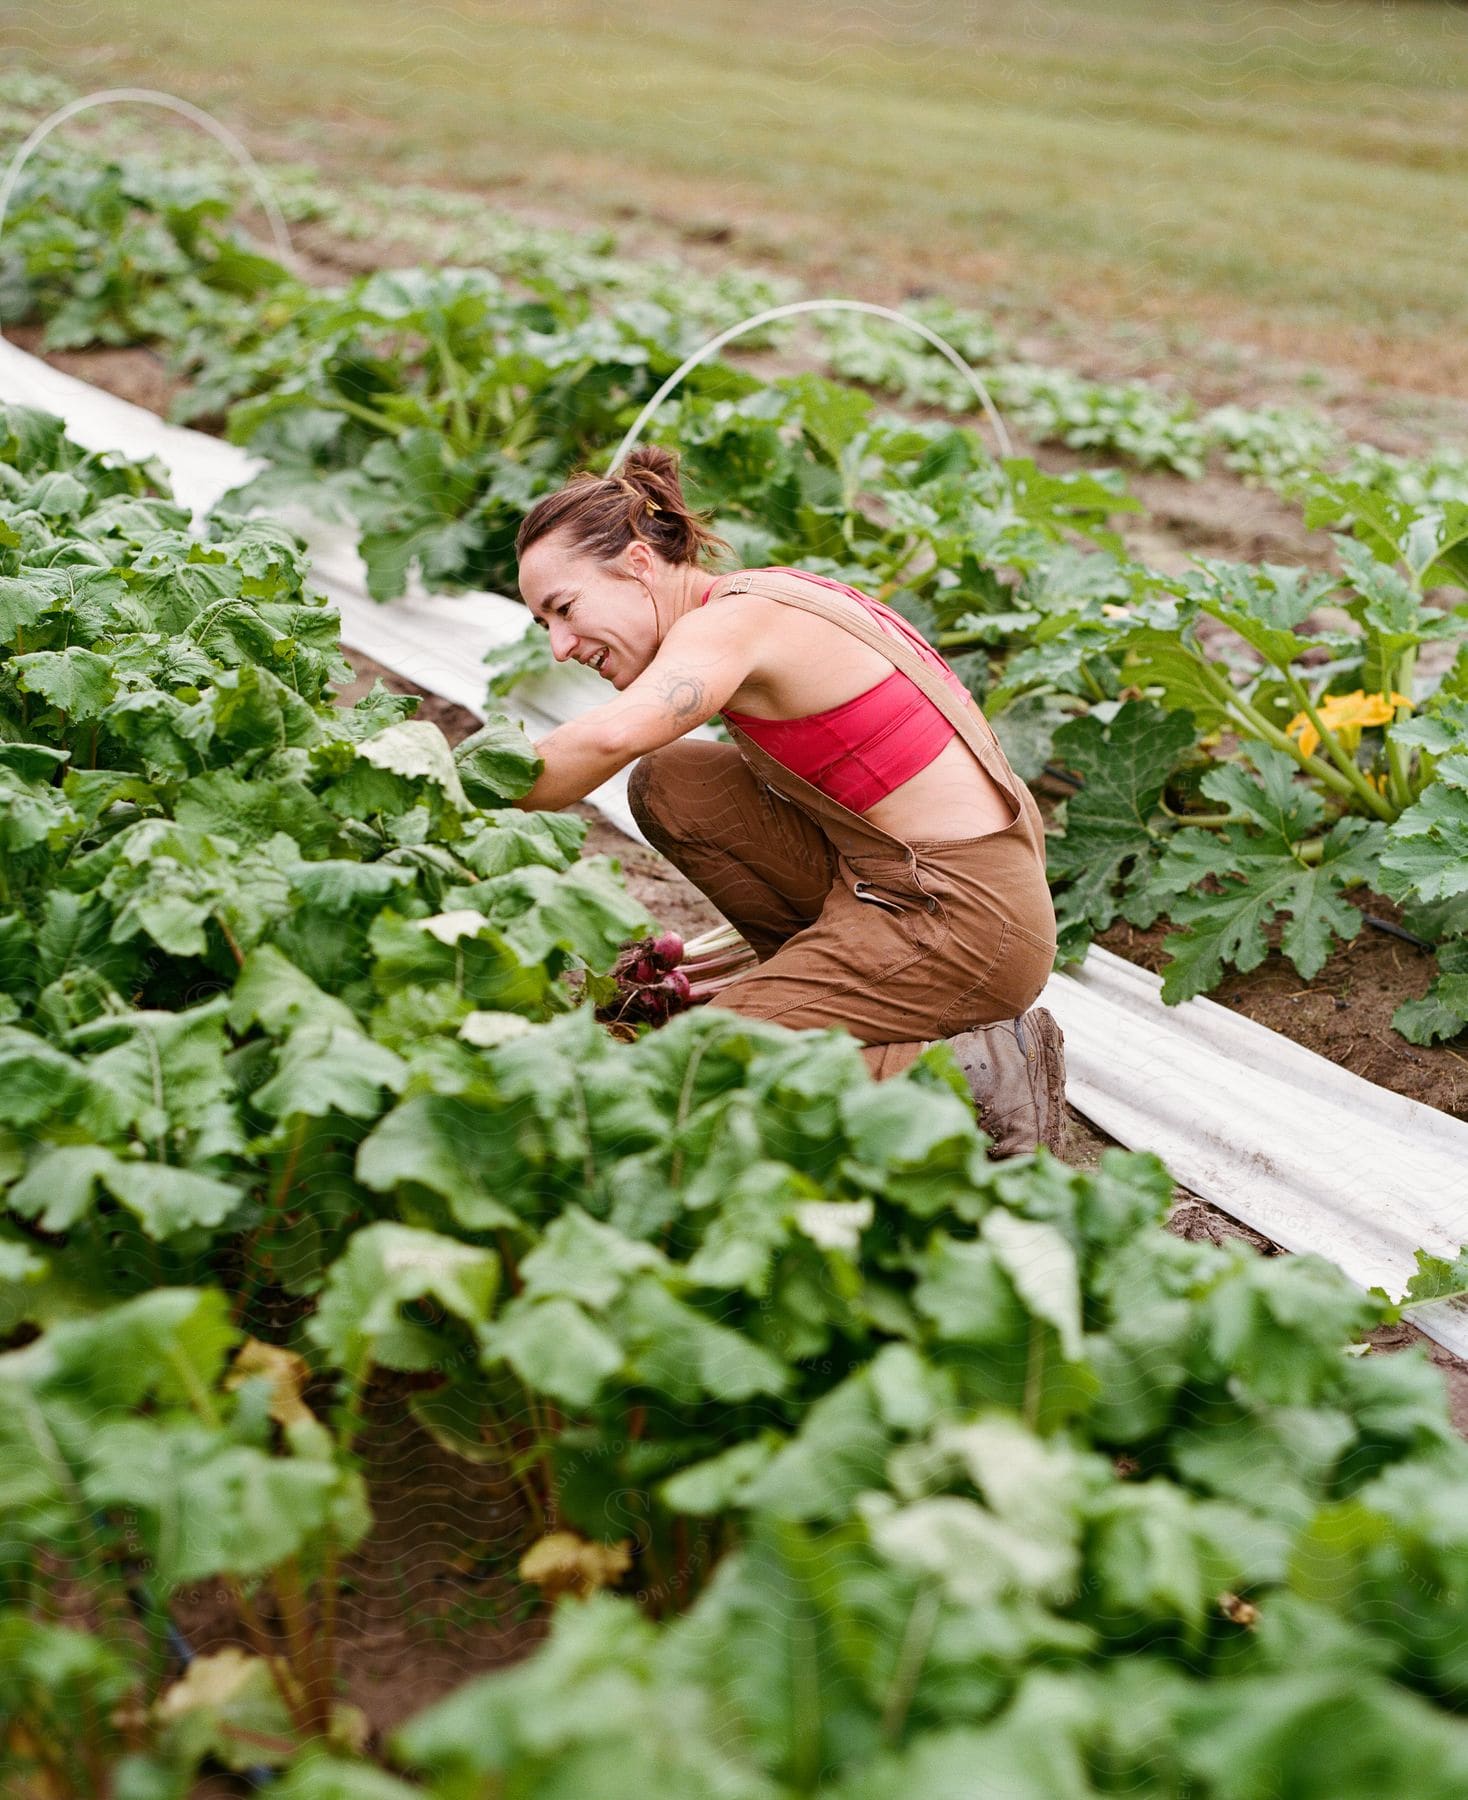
x: 134, y: 373
x: 431, y: 1599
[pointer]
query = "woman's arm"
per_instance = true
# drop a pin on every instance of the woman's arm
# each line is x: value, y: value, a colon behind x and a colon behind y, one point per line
x: 703, y: 661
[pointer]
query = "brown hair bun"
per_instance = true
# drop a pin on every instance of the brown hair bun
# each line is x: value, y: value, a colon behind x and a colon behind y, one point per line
x: 643, y: 500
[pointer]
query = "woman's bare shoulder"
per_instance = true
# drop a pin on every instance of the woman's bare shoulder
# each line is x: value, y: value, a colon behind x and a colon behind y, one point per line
x: 798, y: 662
x: 744, y: 609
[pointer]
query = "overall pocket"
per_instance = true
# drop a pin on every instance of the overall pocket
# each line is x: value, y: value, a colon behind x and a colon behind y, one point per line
x: 892, y: 922
x: 1010, y: 979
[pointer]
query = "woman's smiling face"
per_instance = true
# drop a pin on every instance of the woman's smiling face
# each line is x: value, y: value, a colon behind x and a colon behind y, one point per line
x: 602, y: 616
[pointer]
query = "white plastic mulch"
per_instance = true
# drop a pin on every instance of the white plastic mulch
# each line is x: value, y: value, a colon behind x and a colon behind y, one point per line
x: 1313, y: 1157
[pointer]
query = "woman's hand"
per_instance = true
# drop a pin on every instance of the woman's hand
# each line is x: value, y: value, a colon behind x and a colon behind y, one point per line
x: 703, y: 661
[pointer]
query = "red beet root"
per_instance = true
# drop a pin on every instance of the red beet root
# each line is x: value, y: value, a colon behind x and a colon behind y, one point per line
x: 667, y: 949
x: 659, y: 977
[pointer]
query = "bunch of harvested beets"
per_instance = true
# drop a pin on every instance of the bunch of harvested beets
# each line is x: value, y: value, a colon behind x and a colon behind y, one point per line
x: 660, y: 976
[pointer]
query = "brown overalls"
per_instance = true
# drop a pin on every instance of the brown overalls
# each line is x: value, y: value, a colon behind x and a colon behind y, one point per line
x: 901, y: 943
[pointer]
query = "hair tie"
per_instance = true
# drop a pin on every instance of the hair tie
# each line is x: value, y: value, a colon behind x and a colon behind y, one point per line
x: 636, y: 493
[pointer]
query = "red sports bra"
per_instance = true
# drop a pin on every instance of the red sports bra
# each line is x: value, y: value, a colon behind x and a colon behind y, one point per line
x: 858, y: 752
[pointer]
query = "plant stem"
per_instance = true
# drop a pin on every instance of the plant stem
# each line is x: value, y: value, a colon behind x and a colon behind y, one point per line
x: 367, y: 414
x: 1211, y: 820
x: 248, y: 1258
x: 229, y: 938
x: 528, y: 1490
x: 308, y: 1672
x: 286, y: 1684
x: 293, y: 1155
x: 917, y: 1637
x: 199, y: 1396
x: 685, y: 1098
x: 1271, y: 734
x: 1398, y: 757
x: 330, y: 1586
x: 1363, y: 788
x: 507, y: 1261
x: 1097, y: 691
x: 1034, y: 1374
x: 456, y: 391
x: 899, y: 569
x: 355, y: 1400
x: 583, y: 1118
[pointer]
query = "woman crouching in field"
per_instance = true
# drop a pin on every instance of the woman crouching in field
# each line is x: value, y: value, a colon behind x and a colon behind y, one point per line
x: 864, y: 831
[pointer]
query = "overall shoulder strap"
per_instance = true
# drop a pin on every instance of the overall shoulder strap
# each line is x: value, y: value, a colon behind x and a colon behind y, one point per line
x: 967, y: 720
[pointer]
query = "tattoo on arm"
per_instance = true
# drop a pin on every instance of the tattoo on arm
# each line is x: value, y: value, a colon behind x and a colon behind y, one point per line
x: 683, y: 696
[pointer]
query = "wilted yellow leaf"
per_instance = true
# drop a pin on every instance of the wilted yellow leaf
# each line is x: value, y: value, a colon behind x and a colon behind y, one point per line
x: 563, y: 1563
x: 287, y: 1373
x: 233, y: 1709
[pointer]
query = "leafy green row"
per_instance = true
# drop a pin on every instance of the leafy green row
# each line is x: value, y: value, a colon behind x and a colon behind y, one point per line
x: 235, y: 923
x: 184, y: 803
x: 911, y: 1463
x: 1282, y: 448
x: 127, y: 216
x: 1013, y: 1438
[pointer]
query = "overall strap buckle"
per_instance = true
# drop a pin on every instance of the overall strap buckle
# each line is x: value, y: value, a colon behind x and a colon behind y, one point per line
x: 864, y: 891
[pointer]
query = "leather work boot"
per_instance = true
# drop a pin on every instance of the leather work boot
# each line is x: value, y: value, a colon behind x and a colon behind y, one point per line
x: 1016, y: 1073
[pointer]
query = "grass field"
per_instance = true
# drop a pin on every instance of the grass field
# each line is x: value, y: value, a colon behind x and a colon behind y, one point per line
x: 1292, y: 174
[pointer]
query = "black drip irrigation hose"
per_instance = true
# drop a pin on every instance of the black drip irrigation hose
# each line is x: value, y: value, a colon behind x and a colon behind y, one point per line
x: 1064, y: 775
x: 1399, y: 931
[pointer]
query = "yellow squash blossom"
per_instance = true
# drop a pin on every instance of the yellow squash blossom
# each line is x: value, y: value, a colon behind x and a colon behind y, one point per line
x: 1345, y: 714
